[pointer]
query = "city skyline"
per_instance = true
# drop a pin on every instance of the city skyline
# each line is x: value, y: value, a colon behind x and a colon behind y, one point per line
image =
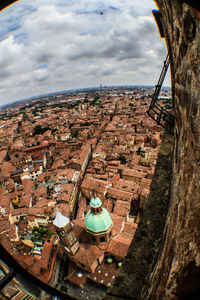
x: 49, y: 46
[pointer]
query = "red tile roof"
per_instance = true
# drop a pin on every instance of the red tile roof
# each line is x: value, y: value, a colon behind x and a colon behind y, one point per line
x: 86, y: 256
x: 130, y: 228
x: 20, y: 211
x: 132, y: 173
x: 64, y: 208
x: 121, y: 208
x: 119, y: 245
x: 2, y: 155
x: 104, y: 274
x: 119, y: 194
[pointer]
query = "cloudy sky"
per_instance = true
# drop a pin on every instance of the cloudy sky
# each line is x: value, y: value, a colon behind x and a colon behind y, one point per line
x: 53, y: 45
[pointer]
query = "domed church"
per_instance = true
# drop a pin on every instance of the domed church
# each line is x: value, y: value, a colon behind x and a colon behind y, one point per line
x: 98, y: 222
x: 100, y: 242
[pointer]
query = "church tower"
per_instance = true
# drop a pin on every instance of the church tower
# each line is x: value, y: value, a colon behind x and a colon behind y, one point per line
x: 66, y: 233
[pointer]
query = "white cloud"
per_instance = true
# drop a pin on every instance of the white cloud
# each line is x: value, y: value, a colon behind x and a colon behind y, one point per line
x: 54, y: 45
x: 9, y: 52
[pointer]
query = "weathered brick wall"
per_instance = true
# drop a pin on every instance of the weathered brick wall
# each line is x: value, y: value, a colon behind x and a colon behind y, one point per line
x: 177, y: 273
x: 174, y: 271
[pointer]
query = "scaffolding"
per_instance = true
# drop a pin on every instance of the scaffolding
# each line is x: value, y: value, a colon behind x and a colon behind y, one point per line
x: 160, y: 108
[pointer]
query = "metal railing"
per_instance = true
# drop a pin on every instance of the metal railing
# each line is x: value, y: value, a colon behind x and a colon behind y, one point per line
x: 161, y: 110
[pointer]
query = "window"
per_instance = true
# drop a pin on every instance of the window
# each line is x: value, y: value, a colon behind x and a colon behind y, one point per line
x: 71, y: 238
x: 102, y: 239
x: 93, y: 239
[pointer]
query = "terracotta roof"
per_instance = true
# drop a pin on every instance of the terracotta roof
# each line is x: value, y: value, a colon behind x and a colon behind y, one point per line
x: 12, y: 231
x: 41, y: 177
x: 130, y: 227
x: 119, y: 245
x: 98, y: 185
x: 4, y: 225
x: 41, y: 191
x: 67, y: 174
x: 141, y: 168
x: 118, y: 223
x: 132, y: 173
x: 18, y: 145
x: 35, y: 211
x: 65, y: 209
x: 124, y: 184
x: 104, y: 274
x: 20, y: 211
x: 28, y: 186
x: 79, y: 229
x: 35, y: 268
x: 108, y: 204
x: 2, y: 155
x: 6, y: 169
x: 46, y: 252
x: 6, y: 242
x: 79, y: 223
x: 4, y: 200
x: 86, y: 255
x: 44, y: 175
x: 73, y: 275
x: 24, y: 201
x: 28, y: 260
x: 145, y: 192
x: 57, y: 164
x: 121, y: 208
x: 120, y: 194
x: 66, y: 197
x: 67, y: 187
x: 84, y: 152
x: 39, y: 266
x: 146, y: 181
x: 41, y: 203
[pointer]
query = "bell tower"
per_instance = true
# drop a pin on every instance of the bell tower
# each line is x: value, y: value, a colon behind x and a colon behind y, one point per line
x: 66, y: 233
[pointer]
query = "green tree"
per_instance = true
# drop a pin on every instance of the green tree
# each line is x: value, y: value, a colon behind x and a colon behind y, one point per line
x: 122, y: 159
x: 75, y: 133
x: 38, y: 129
x: 96, y: 98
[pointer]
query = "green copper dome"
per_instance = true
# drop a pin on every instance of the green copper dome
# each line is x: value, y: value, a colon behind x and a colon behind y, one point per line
x: 95, y: 202
x: 97, y: 223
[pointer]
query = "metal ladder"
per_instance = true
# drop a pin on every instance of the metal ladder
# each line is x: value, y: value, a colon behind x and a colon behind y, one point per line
x: 159, y: 110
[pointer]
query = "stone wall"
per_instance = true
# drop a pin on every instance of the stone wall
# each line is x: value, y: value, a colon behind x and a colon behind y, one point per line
x: 174, y: 271
x: 177, y: 271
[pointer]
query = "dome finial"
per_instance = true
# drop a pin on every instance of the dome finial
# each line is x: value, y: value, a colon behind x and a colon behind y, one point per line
x: 95, y: 202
